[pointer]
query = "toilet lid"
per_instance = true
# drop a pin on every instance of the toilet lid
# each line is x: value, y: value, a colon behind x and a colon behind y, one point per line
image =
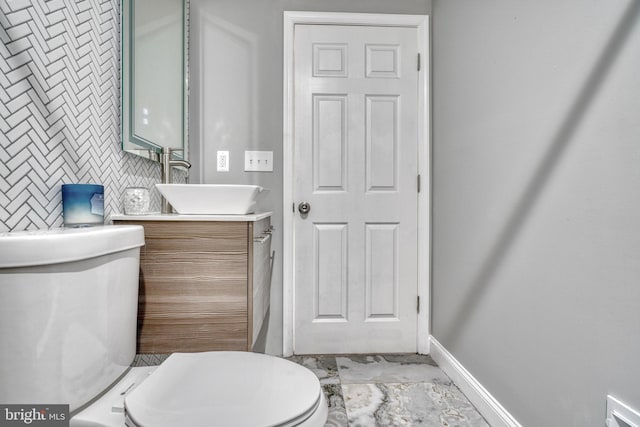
x: 224, y: 388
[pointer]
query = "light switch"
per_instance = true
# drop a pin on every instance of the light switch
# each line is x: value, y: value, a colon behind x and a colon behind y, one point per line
x: 258, y: 161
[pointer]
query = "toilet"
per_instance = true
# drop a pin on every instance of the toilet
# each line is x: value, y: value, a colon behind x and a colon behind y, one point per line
x: 68, y: 309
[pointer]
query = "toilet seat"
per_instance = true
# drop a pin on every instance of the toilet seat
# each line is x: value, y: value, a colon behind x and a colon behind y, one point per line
x: 226, y: 389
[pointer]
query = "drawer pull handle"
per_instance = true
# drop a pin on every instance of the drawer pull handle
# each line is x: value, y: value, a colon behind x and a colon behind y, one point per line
x: 261, y: 239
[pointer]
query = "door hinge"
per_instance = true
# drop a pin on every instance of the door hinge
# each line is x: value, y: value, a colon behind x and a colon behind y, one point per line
x: 418, y: 304
x: 418, y: 183
x: 418, y: 62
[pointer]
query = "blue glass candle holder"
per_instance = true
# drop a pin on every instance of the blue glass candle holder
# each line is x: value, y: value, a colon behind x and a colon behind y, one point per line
x: 82, y: 205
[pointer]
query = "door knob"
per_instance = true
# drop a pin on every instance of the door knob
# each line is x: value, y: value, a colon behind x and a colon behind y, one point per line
x: 304, y: 208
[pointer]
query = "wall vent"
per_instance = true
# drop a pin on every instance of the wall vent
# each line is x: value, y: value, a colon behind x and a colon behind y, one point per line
x: 620, y: 414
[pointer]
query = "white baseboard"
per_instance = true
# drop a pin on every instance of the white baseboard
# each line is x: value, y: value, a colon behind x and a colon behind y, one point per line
x: 485, y: 403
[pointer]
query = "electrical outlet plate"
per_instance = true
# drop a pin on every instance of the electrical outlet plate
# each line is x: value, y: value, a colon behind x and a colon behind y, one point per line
x: 223, y: 161
x: 258, y: 161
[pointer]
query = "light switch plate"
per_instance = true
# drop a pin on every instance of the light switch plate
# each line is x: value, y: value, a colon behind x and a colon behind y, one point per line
x: 223, y: 161
x: 258, y: 161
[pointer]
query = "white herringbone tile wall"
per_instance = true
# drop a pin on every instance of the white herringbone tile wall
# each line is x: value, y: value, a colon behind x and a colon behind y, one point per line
x: 59, y: 109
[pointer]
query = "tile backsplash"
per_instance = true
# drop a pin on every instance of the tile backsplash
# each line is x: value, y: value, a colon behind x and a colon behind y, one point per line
x: 59, y: 109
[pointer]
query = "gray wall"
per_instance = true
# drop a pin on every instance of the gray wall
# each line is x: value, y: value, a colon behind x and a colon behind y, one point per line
x: 250, y: 92
x: 536, y: 199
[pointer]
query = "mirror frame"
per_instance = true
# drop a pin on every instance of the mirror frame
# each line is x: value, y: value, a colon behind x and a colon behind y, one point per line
x: 132, y: 143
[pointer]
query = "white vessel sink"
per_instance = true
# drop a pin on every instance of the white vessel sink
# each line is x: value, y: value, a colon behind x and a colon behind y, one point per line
x: 211, y: 199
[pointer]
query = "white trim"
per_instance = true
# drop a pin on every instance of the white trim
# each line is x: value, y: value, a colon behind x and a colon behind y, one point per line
x: 619, y: 414
x: 495, y: 414
x: 424, y: 197
x: 420, y: 22
x: 287, y: 190
x: 336, y: 18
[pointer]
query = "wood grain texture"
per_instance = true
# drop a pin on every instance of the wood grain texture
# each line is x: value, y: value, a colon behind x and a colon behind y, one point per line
x: 192, y: 336
x: 196, y: 236
x: 195, y: 286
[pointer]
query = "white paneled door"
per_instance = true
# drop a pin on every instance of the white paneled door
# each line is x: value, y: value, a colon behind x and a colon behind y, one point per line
x: 356, y: 169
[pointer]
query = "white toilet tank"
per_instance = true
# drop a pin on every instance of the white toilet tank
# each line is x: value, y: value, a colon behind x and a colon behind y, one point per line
x: 68, y: 307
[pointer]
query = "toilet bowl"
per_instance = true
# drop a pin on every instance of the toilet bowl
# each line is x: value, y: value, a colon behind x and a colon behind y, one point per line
x: 68, y: 306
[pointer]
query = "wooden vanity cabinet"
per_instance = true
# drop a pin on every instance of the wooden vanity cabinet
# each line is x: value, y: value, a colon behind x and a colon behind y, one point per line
x: 197, y: 285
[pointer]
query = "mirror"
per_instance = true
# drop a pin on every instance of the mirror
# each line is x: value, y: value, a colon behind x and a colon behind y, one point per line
x: 154, y: 77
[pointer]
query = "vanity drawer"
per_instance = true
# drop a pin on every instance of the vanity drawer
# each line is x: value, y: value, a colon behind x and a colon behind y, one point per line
x: 191, y: 335
x: 195, y: 236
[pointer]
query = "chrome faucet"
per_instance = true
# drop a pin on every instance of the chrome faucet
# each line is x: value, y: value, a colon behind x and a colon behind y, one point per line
x: 167, y: 164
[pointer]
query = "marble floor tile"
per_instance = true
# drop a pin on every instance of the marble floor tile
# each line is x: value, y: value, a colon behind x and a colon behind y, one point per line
x: 337, y: 413
x: 369, y: 369
x: 323, y: 366
x: 409, y: 404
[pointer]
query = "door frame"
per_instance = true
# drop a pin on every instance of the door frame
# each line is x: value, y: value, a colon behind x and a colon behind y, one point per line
x: 421, y: 23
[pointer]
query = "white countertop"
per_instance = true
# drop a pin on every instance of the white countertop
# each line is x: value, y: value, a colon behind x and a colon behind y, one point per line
x: 178, y: 217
